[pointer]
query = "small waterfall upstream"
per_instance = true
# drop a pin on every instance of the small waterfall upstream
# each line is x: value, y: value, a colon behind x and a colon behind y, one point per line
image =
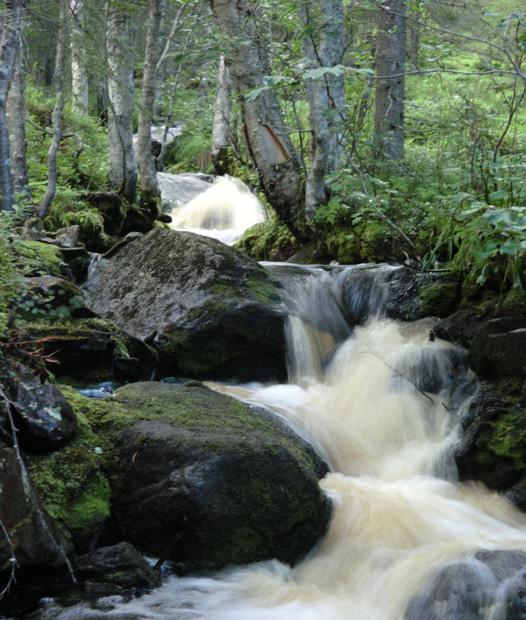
x: 223, y: 211
x: 383, y: 403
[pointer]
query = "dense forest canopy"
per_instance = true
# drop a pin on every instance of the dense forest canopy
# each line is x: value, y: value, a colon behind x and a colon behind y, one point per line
x: 380, y: 130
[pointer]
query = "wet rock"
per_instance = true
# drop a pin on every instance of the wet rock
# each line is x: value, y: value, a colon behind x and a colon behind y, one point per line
x: 179, y: 189
x: 209, y: 311
x: 92, y: 350
x: 137, y: 220
x: 459, y: 591
x: 121, y: 565
x: 460, y: 328
x: 206, y: 481
x: 68, y: 237
x: 499, y: 349
x: 44, y: 418
x: 32, y: 538
x: 493, y: 448
x: 397, y: 292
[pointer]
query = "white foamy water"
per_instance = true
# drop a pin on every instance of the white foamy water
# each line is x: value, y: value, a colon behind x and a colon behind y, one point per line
x: 224, y: 211
x: 383, y: 404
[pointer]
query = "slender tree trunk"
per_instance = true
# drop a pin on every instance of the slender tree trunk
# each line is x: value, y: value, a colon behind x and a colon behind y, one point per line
x: 390, y: 86
x: 58, y: 110
x: 324, y: 47
x: 145, y: 159
x: 120, y: 38
x: 221, y: 131
x: 16, y: 120
x: 266, y: 136
x: 9, y: 44
x: 79, y: 72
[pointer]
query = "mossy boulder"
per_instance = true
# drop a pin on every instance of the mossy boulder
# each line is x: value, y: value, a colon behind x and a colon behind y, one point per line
x: 210, y: 311
x: 72, y: 486
x: 91, y: 350
x: 269, y: 240
x: 494, y: 439
x: 204, y: 480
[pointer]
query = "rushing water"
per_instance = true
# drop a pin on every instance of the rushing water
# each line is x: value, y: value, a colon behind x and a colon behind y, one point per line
x: 223, y: 211
x: 383, y: 403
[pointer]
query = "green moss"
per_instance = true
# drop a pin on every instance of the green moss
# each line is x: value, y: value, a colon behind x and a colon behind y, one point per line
x: 35, y: 257
x: 439, y: 298
x: 508, y: 437
x: 9, y: 282
x: 262, y: 290
x: 513, y: 303
x: 268, y: 240
x: 70, y: 481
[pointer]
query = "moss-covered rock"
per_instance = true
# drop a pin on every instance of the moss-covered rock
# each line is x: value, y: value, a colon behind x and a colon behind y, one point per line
x: 210, y: 311
x: 71, y: 484
x: 494, y: 445
x: 34, y: 258
x: 204, y: 480
x: 90, y: 350
x: 269, y: 240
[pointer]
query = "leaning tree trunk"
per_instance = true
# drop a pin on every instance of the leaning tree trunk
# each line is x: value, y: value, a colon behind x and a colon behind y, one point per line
x: 16, y: 120
x: 324, y: 47
x: 9, y: 44
x: 79, y: 72
x: 266, y: 136
x: 120, y: 39
x: 147, y: 170
x: 58, y: 111
x: 390, y: 85
x: 221, y: 130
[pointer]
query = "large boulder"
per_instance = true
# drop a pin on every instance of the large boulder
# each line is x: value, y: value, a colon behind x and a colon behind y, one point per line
x: 210, y: 311
x: 206, y: 481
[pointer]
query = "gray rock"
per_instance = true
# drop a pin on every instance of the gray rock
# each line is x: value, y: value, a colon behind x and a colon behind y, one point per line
x: 179, y: 189
x: 210, y: 311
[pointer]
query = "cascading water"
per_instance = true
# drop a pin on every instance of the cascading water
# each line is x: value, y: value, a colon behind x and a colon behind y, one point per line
x: 383, y: 403
x: 224, y: 211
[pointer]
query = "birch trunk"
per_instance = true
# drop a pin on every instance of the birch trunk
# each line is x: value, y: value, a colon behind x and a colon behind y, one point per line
x: 324, y: 47
x: 267, y: 140
x: 16, y: 120
x: 58, y: 111
x: 390, y: 85
x: 120, y: 39
x: 9, y: 44
x: 221, y: 132
x: 145, y: 159
x: 79, y: 72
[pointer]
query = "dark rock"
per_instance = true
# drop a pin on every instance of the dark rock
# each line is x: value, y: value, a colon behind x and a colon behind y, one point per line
x: 165, y: 218
x: 93, y: 350
x: 68, y: 237
x: 51, y: 296
x: 499, y: 349
x: 33, y: 539
x: 120, y: 565
x: 110, y: 205
x: 44, y: 418
x: 205, y: 481
x: 78, y: 260
x: 459, y: 591
x: 504, y: 563
x: 460, y: 328
x: 137, y: 220
x: 210, y: 311
x: 493, y: 449
x: 132, y: 236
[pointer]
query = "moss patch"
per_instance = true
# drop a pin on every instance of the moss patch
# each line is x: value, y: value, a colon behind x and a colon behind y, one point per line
x: 268, y: 240
x: 438, y: 298
x: 37, y: 258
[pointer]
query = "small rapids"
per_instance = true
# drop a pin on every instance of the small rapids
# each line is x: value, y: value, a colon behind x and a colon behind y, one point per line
x: 383, y: 403
x: 223, y: 211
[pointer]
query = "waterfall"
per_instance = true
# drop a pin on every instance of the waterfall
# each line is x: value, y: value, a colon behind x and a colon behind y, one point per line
x: 223, y: 211
x: 383, y: 403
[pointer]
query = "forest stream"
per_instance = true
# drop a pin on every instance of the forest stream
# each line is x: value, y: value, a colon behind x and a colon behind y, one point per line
x: 382, y: 403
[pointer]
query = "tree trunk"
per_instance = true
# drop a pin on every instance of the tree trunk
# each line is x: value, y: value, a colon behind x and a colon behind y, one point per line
x: 390, y: 85
x: 16, y: 120
x: 9, y: 44
x: 120, y: 39
x: 79, y: 72
x: 58, y: 111
x: 145, y: 159
x: 266, y: 136
x: 324, y: 47
x: 221, y: 131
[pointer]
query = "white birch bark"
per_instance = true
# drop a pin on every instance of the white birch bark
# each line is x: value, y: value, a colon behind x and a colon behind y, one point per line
x: 120, y: 38
x: 324, y: 47
x: 9, y: 44
x: 79, y: 71
x: 390, y: 85
x: 221, y: 131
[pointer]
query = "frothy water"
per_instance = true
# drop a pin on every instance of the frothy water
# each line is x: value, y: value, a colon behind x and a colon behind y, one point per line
x: 382, y: 402
x: 224, y: 211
